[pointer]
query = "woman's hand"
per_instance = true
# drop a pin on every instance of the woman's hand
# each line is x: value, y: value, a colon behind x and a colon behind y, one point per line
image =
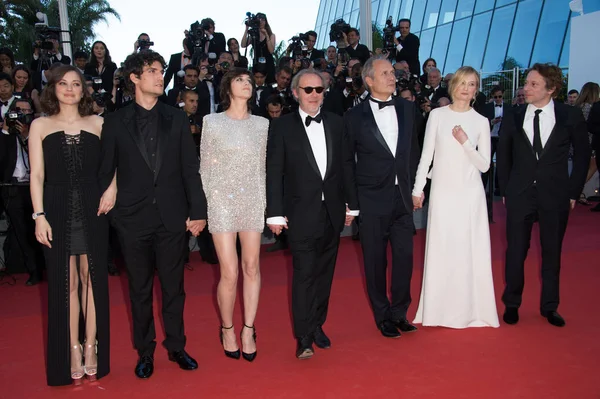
x: 108, y: 199
x: 418, y: 201
x: 459, y: 134
x: 43, y: 231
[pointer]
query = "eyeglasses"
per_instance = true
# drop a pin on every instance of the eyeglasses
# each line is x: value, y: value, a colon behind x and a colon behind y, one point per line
x: 498, y: 96
x: 309, y: 89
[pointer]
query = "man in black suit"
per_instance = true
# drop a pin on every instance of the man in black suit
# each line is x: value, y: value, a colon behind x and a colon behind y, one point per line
x: 409, y: 47
x: 593, y: 123
x: 160, y: 196
x: 533, y: 155
x: 311, y: 190
x: 313, y: 54
x: 216, y: 43
x: 39, y: 63
x: 384, y: 136
x: 354, y: 48
x: 177, y: 62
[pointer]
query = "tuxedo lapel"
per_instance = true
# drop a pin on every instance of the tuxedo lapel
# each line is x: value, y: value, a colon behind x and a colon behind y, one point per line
x: 303, y: 137
x: 131, y: 125
x: 402, y: 125
x: 329, y: 144
x: 371, y: 126
x: 164, y: 129
x: 560, y: 118
x: 519, y: 120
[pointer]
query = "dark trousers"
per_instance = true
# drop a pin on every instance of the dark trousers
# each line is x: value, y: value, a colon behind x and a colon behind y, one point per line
x: 17, y: 202
x: 145, y: 244
x: 396, y: 228
x: 314, y: 263
x: 521, y: 213
x: 485, y: 176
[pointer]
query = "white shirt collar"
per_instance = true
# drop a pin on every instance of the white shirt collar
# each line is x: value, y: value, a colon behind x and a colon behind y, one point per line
x: 303, y: 114
x: 547, y: 110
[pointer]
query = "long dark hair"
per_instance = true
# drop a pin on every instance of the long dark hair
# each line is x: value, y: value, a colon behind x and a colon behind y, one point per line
x: 226, y: 87
x: 94, y: 60
x: 267, y: 26
x: 50, y: 104
x: 29, y: 85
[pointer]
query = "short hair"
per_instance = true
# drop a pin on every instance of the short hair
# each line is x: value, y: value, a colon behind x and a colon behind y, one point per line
x: 13, y: 105
x: 225, y: 52
x: 404, y: 20
x: 412, y: 93
x: 285, y: 69
x: 135, y: 63
x: 368, y: 70
x: 572, y: 91
x: 274, y: 99
x: 434, y: 69
x: 143, y: 34
x: 284, y: 61
x: 5, y: 76
x: 207, y: 21
x: 459, y: 76
x: 193, y: 67
x: 225, y: 90
x: 80, y: 54
x: 187, y: 92
x: 552, y: 75
x: 496, y: 89
x: 355, y: 31
x: 304, y: 72
x: 49, y: 101
x: 312, y: 33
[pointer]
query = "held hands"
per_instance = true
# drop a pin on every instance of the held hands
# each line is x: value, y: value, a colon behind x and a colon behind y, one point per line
x: 418, y: 201
x: 195, y: 226
x: 459, y: 134
x: 573, y: 202
x: 278, y: 228
x: 108, y: 199
x: 349, y: 218
x: 43, y: 231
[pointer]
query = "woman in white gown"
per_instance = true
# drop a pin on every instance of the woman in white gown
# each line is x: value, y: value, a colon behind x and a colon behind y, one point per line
x: 458, y: 289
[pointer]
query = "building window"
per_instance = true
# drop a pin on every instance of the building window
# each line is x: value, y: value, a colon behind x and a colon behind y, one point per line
x: 498, y: 38
x: 477, y: 39
x: 440, y: 45
x: 447, y: 11
x: 464, y: 8
x: 551, y: 31
x: 458, y: 42
x: 523, y: 33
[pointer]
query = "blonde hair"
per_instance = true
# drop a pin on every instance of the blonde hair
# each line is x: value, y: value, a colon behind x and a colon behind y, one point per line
x: 460, y: 75
x: 590, y: 93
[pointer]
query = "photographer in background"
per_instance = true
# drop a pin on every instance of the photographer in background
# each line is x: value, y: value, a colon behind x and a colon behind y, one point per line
x: 311, y: 41
x: 355, y: 91
x: 258, y: 33
x: 102, y: 99
x: 177, y: 62
x: 121, y: 96
x: 274, y: 107
x: 354, y: 48
x: 80, y: 58
x: 6, y: 93
x: 432, y: 92
x: 14, y: 170
x: 239, y: 61
x: 407, y: 48
x: 44, y: 56
x: 282, y: 89
x: 216, y: 40
x: 190, y: 82
x: 142, y: 43
x: 101, y: 65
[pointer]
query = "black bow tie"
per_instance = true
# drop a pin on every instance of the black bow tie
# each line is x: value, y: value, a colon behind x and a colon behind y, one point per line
x: 383, y: 104
x: 4, y: 104
x: 499, y: 105
x: 189, y: 57
x: 309, y: 119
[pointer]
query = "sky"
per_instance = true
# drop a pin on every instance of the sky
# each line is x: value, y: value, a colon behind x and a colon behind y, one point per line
x: 165, y: 21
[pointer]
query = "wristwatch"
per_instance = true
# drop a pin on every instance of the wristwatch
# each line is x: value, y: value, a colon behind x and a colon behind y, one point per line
x: 37, y: 215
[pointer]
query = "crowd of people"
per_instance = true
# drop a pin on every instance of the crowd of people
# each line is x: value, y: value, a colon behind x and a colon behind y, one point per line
x: 325, y: 139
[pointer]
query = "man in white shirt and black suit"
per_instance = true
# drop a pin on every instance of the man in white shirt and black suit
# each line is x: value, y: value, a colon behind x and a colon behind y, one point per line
x: 384, y: 136
x: 311, y: 191
x: 533, y: 172
x: 177, y: 62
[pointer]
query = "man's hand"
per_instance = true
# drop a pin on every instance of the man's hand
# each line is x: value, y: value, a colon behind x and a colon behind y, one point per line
x: 278, y: 228
x: 573, y: 202
x: 418, y: 201
x: 195, y: 226
x: 194, y: 129
x: 349, y: 218
x: 108, y: 199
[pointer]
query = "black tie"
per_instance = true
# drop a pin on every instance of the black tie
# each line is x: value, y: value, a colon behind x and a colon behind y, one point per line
x: 383, y: 104
x: 3, y: 104
x: 187, y: 56
x: 499, y: 105
x: 309, y: 119
x: 537, y: 138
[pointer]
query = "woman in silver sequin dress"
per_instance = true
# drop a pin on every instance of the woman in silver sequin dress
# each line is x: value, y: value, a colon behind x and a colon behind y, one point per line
x: 233, y: 161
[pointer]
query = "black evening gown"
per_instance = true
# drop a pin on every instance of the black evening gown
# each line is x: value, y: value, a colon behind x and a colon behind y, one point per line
x: 263, y: 51
x: 71, y: 200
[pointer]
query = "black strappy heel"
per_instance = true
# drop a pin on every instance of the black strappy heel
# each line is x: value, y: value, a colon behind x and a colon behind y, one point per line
x: 232, y: 355
x: 249, y: 356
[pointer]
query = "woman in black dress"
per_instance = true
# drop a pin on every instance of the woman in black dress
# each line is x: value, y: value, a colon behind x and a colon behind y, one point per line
x: 101, y: 65
x: 239, y: 61
x: 64, y: 151
x: 264, y: 49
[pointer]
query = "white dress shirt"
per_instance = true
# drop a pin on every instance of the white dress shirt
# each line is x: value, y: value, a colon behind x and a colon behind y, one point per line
x: 21, y: 172
x: 4, y: 108
x: 387, y: 122
x: 498, y: 112
x: 547, y: 121
x: 316, y: 137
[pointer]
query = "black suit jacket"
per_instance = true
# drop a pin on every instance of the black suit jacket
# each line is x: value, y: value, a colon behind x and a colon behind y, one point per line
x: 217, y: 44
x: 172, y: 69
x: 107, y: 75
x: 316, y: 54
x: 439, y: 93
x: 489, y: 111
x: 361, y: 52
x: 175, y: 186
x: 8, y: 157
x: 294, y: 183
x: 518, y: 168
x: 376, y: 167
x: 410, y: 53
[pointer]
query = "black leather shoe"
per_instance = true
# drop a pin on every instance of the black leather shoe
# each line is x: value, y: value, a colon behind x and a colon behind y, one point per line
x: 511, y: 316
x: 185, y: 361
x: 321, y: 340
x: 554, y: 318
x: 388, y: 329
x: 144, y: 367
x: 404, y: 326
x: 304, y: 349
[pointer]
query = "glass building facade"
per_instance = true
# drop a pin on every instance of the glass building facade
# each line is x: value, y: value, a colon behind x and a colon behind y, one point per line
x: 485, y: 34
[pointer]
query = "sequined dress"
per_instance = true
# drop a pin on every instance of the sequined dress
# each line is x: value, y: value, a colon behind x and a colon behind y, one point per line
x: 71, y: 200
x: 233, y: 171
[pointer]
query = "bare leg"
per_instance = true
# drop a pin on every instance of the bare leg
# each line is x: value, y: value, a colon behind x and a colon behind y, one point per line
x: 76, y: 355
x: 89, y: 315
x: 593, y: 168
x: 226, y: 289
x: 250, y: 241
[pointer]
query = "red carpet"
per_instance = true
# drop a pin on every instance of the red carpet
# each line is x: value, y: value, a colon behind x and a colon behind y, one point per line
x: 530, y: 360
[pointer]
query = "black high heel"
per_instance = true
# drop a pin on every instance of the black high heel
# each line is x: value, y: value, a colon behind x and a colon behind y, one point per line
x: 233, y: 355
x: 249, y: 356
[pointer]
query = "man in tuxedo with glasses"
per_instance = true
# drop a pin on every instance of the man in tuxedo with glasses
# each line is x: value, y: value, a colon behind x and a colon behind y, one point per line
x: 311, y: 192
x: 533, y: 172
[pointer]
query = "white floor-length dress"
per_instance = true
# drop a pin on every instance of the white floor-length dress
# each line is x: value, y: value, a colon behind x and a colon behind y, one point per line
x: 458, y: 289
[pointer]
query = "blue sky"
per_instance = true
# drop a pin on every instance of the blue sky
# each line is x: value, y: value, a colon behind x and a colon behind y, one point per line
x: 165, y: 21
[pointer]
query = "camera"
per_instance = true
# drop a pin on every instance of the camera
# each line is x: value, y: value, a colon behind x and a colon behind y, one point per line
x: 404, y: 80
x: 121, y: 82
x: 338, y: 29
x: 12, y: 117
x: 252, y: 22
x: 388, y: 35
x: 100, y: 97
x: 144, y: 44
x: 299, y: 50
x: 44, y: 33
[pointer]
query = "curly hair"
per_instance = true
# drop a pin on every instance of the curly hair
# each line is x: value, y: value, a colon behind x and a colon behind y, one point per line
x: 50, y: 103
x: 226, y: 87
x: 552, y: 76
x: 135, y: 63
